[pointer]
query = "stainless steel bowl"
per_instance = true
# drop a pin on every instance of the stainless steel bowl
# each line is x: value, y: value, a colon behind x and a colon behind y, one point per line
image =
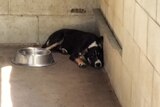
x: 33, y: 56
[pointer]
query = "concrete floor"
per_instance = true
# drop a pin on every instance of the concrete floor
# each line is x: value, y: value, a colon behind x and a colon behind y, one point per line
x: 63, y: 84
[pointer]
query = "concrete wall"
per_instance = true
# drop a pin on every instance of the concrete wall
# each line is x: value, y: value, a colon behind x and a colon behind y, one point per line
x: 135, y: 74
x: 32, y: 21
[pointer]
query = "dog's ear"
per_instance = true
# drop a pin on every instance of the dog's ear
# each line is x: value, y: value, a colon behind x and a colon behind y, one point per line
x: 100, y: 39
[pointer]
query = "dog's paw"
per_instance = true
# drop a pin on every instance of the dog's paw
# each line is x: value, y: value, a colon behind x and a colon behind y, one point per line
x: 64, y: 51
x: 82, y: 65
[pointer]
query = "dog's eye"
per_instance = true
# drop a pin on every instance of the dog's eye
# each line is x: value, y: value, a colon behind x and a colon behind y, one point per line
x: 92, y: 56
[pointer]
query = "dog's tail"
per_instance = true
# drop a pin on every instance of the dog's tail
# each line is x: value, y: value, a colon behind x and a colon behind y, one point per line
x: 44, y: 45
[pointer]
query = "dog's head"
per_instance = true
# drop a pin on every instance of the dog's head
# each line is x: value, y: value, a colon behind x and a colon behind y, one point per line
x: 94, y: 55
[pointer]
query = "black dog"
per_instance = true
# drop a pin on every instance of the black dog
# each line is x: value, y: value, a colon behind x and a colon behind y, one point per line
x: 80, y: 45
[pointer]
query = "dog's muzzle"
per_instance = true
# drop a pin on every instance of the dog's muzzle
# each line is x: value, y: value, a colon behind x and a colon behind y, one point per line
x: 98, y: 64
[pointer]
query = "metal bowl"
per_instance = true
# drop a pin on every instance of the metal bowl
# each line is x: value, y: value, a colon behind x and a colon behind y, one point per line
x: 33, y: 56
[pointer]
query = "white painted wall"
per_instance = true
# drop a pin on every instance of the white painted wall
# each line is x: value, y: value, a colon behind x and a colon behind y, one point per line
x: 32, y: 21
x: 136, y: 23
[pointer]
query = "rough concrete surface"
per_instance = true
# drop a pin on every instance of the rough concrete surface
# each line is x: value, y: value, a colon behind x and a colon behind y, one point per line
x: 62, y: 84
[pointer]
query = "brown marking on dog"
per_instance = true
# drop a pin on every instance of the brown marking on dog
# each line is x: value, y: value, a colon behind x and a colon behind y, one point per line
x: 80, y: 62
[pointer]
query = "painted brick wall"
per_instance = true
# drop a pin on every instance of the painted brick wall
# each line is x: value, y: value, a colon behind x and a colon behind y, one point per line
x: 136, y: 23
x: 32, y: 21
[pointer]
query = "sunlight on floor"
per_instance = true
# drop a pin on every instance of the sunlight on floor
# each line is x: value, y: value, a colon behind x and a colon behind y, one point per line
x: 5, y: 86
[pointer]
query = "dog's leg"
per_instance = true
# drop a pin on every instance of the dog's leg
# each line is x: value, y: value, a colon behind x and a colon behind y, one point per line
x: 63, y: 51
x: 76, y: 58
x: 80, y: 62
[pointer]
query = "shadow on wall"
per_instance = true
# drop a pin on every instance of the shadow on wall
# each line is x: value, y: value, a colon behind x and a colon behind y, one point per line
x: 87, y: 24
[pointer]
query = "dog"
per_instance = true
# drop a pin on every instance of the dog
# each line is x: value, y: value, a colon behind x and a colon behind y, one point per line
x: 83, y: 47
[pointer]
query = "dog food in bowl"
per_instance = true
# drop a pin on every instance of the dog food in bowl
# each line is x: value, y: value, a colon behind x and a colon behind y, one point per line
x: 33, y: 56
